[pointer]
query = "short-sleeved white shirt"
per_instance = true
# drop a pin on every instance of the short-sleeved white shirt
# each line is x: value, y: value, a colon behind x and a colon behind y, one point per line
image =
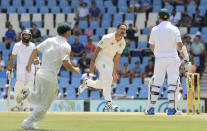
x: 54, y: 51
x: 110, y: 47
x: 23, y: 53
x: 165, y: 37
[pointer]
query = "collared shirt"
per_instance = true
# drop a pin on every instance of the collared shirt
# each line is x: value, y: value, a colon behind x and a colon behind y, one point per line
x: 23, y: 53
x: 54, y: 51
x: 165, y: 37
x: 110, y: 46
x: 10, y: 34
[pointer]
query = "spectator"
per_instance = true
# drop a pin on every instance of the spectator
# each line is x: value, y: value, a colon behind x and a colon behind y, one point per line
x: 198, y: 48
x: 20, y: 33
x: 146, y: 5
x: 125, y: 71
x: 84, y: 63
x: 36, y: 34
x: 149, y: 69
x: 10, y: 36
x: 90, y: 44
x: 94, y: 12
x: 2, y: 64
x: 73, y: 61
x: 82, y: 12
x: 77, y: 48
x: 179, y: 2
x: 89, y: 54
x: 76, y: 30
x: 135, y: 7
x: 197, y: 19
x: 130, y: 33
x: 137, y: 71
x: 205, y: 19
x: 187, y: 42
x: 167, y: 2
x: 174, y: 19
x: 88, y: 32
x: 185, y: 20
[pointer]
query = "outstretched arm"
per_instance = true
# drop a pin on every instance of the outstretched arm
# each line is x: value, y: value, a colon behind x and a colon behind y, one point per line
x: 31, y: 59
x: 93, y: 59
x: 116, y: 66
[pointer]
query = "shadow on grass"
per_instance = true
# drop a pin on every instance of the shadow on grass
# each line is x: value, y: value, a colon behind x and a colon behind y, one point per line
x: 32, y: 130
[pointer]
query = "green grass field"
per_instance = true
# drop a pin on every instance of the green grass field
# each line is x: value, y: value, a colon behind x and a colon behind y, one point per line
x: 107, y: 121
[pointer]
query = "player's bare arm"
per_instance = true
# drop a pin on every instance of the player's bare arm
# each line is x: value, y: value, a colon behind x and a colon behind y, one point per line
x: 152, y: 47
x: 116, y: 65
x: 11, y: 62
x: 31, y: 59
x: 93, y: 59
x: 70, y: 67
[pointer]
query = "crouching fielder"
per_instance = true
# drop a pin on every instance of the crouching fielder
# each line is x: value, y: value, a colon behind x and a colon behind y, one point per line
x: 23, y: 50
x: 55, y: 52
x: 164, y: 40
x: 106, y: 59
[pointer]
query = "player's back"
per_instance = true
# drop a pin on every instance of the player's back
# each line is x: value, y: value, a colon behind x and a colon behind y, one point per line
x: 165, y: 37
x: 52, y: 49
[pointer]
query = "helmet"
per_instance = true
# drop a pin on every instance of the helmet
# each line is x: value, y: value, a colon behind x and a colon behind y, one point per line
x: 26, y: 40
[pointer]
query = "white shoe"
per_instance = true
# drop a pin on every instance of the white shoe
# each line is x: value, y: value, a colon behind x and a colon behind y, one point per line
x: 179, y: 112
x: 29, y: 125
x: 110, y: 106
x: 83, y: 86
x: 23, y: 95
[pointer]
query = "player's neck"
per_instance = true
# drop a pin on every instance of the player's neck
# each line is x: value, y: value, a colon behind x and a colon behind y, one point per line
x: 117, y: 37
x: 26, y: 44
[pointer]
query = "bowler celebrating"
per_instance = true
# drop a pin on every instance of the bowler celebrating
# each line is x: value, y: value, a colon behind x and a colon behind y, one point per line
x: 106, y: 59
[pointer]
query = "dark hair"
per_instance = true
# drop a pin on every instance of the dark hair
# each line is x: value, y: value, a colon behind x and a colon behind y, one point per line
x: 120, y: 24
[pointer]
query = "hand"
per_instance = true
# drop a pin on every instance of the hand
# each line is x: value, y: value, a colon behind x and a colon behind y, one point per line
x: 77, y: 70
x: 28, y: 68
x: 115, y: 77
x: 187, y: 66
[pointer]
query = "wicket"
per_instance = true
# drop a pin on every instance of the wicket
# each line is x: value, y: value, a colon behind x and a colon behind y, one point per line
x: 190, y: 84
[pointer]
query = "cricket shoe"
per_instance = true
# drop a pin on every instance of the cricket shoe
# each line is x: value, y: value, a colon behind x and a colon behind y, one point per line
x: 29, y: 125
x: 110, y: 106
x: 83, y: 86
x: 151, y: 111
x: 173, y: 111
x: 23, y: 95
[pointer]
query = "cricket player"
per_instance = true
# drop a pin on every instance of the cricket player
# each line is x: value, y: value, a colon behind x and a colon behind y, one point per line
x: 55, y: 53
x: 23, y: 50
x: 164, y: 41
x: 106, y: 59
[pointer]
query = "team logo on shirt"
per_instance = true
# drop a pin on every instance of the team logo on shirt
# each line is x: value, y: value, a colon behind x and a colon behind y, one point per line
x: 67, y: 52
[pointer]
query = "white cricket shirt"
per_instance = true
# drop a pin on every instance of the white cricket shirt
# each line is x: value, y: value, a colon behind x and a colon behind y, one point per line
x: 110, y: 47
x: 165, y: 37
x: 23, y: 53
x: 54, y: 51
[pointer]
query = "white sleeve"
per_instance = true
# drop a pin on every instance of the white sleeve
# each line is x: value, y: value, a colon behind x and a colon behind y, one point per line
x: 152, y: 39
x: 103, y: 42
x: 178, y: 37
x: 122, y: 47
x: 65, y: 53
x: 15, y: 50
x: 42, y: 46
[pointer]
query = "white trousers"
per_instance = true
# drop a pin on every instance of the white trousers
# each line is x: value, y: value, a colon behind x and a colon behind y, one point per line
x: 105, y: 78
x: 19, y: 85
x: 166, y: 65
x: 45, y: 94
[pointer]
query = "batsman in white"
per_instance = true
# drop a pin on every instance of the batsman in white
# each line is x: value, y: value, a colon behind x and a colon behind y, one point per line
x: 55, y: 53
x: 23, y: 50
x: 164, y: 41
x: 106, y: 59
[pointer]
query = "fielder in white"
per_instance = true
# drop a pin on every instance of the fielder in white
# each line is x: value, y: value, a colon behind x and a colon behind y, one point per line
x: 23, y: 50
x: 55, y: 53
x: 106, y: 59
x: 164, y: 40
